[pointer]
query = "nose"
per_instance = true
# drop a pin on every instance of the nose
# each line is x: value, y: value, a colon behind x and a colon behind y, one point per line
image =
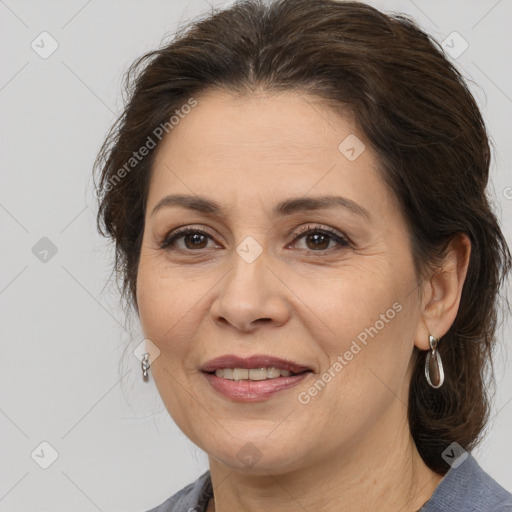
x: 251, y: 294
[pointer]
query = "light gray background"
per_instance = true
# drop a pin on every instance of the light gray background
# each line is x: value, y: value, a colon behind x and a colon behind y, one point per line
x: 62, y: 330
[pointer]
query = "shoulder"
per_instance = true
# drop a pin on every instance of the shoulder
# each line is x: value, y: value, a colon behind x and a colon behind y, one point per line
x: 192, y: 498
x: 468, y: 488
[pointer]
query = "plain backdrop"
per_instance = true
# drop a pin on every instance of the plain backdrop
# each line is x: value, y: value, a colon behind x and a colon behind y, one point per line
x: 68, y: 378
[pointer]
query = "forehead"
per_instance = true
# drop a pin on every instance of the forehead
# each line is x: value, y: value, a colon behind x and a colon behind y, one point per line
x: 291, y: 123
x: 267, y: 145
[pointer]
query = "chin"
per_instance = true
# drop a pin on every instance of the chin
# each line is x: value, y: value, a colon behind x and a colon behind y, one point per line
x: 253, y: 459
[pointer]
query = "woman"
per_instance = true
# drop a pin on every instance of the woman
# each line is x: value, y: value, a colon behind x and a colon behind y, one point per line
x: 297, y: 196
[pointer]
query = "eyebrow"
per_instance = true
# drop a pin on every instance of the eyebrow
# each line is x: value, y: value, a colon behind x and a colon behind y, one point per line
x: 288, y: 207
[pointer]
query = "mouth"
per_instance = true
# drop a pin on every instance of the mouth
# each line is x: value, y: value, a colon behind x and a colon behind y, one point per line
x: 247, y: 390
x: 263, y: 373
x: 253, y: 379
x: 257, y: 367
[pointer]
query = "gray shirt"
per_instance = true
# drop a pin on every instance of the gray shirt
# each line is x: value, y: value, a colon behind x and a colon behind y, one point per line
x: 467, y: 488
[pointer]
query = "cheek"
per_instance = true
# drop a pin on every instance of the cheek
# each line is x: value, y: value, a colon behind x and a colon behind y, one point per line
x: 354, y: 298
x: 368, y: 317
x: 163, y: 300
x: 173, y: 305
x: 365, y: 351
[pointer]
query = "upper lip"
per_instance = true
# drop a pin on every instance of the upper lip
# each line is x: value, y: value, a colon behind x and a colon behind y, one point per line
x: 256, y: 361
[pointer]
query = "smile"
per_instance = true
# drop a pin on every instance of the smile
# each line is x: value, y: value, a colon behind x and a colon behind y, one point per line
x: 252, y: 373
x: 249, y: 390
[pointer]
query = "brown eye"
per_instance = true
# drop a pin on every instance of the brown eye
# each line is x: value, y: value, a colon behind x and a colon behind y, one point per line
x: 197, y: 240
x: 193, y: 239
x: 317, y: 239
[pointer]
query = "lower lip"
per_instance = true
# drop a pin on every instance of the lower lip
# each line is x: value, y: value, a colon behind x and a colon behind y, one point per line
x: 253, y: 390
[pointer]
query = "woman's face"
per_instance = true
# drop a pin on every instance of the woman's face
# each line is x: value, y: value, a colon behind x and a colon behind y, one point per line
x: 344, y: 305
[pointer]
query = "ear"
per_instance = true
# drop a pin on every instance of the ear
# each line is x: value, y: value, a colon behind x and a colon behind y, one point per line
x: 442, y: 292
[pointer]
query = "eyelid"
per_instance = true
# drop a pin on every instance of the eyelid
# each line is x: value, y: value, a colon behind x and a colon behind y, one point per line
x: 180, y: 231
x: 318, y: 227
x: 339, y: 238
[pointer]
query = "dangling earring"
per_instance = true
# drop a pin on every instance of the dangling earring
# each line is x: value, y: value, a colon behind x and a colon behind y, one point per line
x: 433, y: 365
x: 145, y: 366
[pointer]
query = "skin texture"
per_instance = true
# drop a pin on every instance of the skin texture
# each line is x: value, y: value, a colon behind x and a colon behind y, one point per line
x: 302, y: 299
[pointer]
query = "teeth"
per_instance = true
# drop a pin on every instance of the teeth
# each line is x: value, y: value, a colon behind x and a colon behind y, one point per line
x: 251, y: 374
x: 228, y: 373
x: 240, y: 373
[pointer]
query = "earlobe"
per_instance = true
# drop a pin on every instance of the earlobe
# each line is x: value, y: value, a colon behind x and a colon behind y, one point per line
x: 443, y: 292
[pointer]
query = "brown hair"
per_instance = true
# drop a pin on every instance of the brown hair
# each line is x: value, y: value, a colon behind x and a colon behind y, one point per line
x: 416, y: 111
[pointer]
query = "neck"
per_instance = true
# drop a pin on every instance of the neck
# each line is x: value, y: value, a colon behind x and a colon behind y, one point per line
x: 382, y: 472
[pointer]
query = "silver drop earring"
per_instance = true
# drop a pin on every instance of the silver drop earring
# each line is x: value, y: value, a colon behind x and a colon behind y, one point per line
x: 145, y: 366
x: 433, y: 365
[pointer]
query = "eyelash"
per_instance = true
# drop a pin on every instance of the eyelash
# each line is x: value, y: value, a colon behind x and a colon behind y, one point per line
x: 342, y: 242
